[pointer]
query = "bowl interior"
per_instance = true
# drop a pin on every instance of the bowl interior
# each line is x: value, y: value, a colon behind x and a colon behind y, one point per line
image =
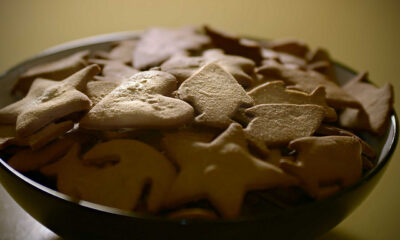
x: 384, y: 146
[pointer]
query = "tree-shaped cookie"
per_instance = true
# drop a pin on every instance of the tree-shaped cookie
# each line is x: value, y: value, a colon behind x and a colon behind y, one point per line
x: 278, y: 124
x: 56, y: 70
x: 222, y: 172
x: 325, y: 160
x: 55, y: 101
x: 307, y: 81
x: 120, y: 184
x: 215, y: 94
x: 276, y: 92
x: 377, y: 104
x: 141, y: 102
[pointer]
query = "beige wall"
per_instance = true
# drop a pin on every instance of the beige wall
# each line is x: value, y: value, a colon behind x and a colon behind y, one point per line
x: 364, y: 35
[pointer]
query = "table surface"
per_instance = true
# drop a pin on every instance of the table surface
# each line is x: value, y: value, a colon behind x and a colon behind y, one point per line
x: 363, y: 34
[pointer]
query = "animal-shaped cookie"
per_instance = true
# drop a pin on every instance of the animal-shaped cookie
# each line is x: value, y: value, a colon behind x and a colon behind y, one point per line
x: 278, y: 124
x: 156, y: 45
x: 306, y: 81
x: 222, y: 172
x: 120, y: 184
x: 326, y: 160
x: 56, y: 70
x: 215, y: 94
x: 141, y: 102
x: 377, y: 104
x: 276, y: 92
x: 56, y: 101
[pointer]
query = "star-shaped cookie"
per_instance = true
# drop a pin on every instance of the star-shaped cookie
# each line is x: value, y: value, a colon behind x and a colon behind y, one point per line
x: 222, y: 172
x: 53, y: 102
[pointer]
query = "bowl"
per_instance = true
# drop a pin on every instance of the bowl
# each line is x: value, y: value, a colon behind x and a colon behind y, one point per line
x: 72, y: 219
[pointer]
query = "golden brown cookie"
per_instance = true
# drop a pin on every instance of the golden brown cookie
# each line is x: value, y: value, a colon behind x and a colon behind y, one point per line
x: 120, y: 184
x: 325, y: 161
x: 141, y: 102
x: 278, y: 124
x: 215, y: 94
x: 182, y: 66
x: 56, y: 101
x: 156, y: 45
x: 222, y: 172
x: 276, y: 92
x: 56, y: 70
x: 377, y: 104
x: 306, y: 81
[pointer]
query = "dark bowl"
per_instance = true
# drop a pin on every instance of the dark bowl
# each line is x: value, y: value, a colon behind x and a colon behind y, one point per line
x: 72, y: 219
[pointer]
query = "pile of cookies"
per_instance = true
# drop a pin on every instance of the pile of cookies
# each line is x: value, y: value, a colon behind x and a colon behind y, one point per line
x: 179, y: 117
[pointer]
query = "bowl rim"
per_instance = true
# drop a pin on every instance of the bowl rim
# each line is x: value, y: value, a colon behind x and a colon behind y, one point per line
x: 118, y: 36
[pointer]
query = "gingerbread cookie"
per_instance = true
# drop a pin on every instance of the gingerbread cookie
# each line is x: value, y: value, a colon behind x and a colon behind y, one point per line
x: 222, y: 171
x: 290, y: 46
x: 156, y: 45
x: 235, y: 45
x: 114, y: 71
x: 120, y: 184
x: 325, y: 161
x: 56, y: 101
x: 9, y: 113
x: 377, y: 104
x: 215, y: 94
x: 276, y: 92
x: 278, y: 124
x: 120, y: 52
x: 141, y: 102
x: 97, y: 90
x: 182, y: 66
x: 306, y: 81
x: 48, y: 134
x: 56, y: 70
x: 30, y: 160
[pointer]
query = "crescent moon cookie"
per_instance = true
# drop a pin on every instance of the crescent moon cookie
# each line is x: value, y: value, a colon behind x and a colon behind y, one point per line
x: 215, y: 95
x: 222, y: 171
x: 143, y: 101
